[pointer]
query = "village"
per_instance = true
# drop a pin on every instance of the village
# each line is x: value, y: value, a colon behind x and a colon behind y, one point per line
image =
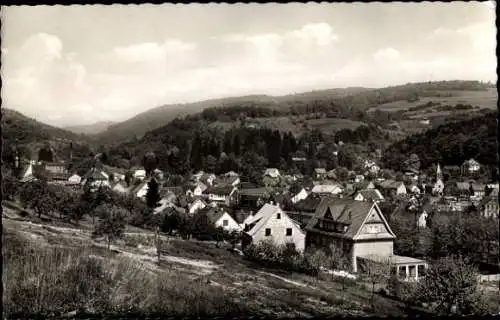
x: 318, y: 211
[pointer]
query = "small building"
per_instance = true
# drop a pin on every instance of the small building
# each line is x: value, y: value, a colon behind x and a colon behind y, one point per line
x: 298, y: 195
x: 271, y: 224
x: 272, y: 173
x: 489, y: 207
x: 96, y: 178
x: 140, y: 174
x: 370, y: 195
x: 74, y: 179
x: 208, y: 179
x: 319, y: 173
x: 224, y: 194
x: 253, y: 197
x: 227, y: 181
x: 221, y: 219
x: 196, y: 205
x: 196, y: 189
x: 120, y: 187
x: 470, y: 167
x: 392, y: 188
x: 231, y: 174
x: 333, y: 189
x: 405, y: 268
x: 141, y: 189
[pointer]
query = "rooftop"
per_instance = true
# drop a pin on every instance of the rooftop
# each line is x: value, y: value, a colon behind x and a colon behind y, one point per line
x: 394, y: 259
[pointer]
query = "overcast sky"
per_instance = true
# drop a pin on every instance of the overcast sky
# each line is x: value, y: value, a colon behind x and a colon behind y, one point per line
x: 68, y: 65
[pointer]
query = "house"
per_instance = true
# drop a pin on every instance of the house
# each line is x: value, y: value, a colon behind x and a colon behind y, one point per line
x: 197, y: 176
x: 196, y: 189
x: 221, y: 219
x: 359, y: 178
x: 463, y: 189
x: 272, y: 173
x: 74, y: 179
x: 196, y: 205
x: 270, y: 223
x: 140, y: 174
x: 489, y: 206
x: 26, y: 172
x: 319, y: 173
x: 228, y: 181
x: 55, y: 171
x: 478, y: 190
x: 369, y: 195
x: 231, y: 174
x: 298, y: 194
x: 358, y: 227
x: 224, y: 194
x: 158, y: 174
x: 253, y: 197
x: 120, y: 187
x: 141, y: 189
x: 414, y: 189
x: 164, y: 203
x: 392, y: 187
x: 331, y: 174
x: 96, y: 178
x: 327, y: 189
x: 424, y: 215
x: 470, y: 166
x: 365, y: 185
x: 207, y: 179
x: 309, y: 204
x: 271, y: 176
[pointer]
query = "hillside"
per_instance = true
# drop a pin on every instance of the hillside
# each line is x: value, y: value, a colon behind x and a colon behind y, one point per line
x: 450, y: 144
x: 89, y: 129
x: 30, y: 135
x: 336, y: 103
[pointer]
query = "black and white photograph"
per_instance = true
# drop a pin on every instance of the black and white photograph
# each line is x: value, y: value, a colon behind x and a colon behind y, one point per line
x: 284, y: 160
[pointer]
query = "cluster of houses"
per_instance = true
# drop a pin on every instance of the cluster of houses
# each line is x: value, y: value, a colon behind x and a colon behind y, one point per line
x: 287, y: 208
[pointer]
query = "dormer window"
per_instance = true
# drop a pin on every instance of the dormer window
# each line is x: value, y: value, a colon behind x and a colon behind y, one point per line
x: 278, y: 216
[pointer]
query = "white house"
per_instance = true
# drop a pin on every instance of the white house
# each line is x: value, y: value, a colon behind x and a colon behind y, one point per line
x: 164, y: 203
x: 301, y: 195
x: 359, y: 178
x: 197, y: 205
x: 272, y: 172
x: 470, y: 166
x: 231, y: 174
x: 140, y: 174
x: 221, y: 194
x: 222, y: 219
x: 141, y: 190
x: 369, y: 195
x: 327, y: 189
x: 96, y: 178
x: 414, y: 189
x: 270, y: 223
x: 120, y: 187
x: 75, y: 179
x: 208, y: 179
x: 197, y: 189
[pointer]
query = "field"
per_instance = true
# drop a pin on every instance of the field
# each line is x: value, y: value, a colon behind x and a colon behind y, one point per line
x: 57, y: 268
x: 484, y: 99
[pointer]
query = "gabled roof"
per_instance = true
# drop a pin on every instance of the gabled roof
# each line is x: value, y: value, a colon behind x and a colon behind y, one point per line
x: 371, y: 194
x: 141, y: 185
x: 309, y: 204
x: 464, y: 186
x: 199, y: 184
x: 262, y: 216
x: 119, y: 183
x: 231, y: 174
x: 471, y: 162
x: 95, y: 175
x: 214, y: 214
x: 352, y: 213
x: 295, y: 189
x: 220, y: 190
x: 328, y: 188
x: 478, y: 187
x: 254, y: 192
x: 226, y: 180
x: 320, y: 170
x: 272, y: 172
x: 390, y: 184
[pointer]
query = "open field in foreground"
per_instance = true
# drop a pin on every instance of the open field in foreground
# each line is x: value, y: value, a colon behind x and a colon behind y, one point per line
x: 56, y: 269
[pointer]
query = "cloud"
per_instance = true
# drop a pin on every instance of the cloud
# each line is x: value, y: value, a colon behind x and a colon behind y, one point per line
x: 386, y: 54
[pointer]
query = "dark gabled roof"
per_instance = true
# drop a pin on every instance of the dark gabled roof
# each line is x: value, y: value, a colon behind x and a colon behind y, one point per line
x: 309, y: 204
x: 254, y: 192
x: 214, y: 214
x: 352, y: 213
x: 219, y: 190
x: 389, y: 184
x: 175, y: 190
x: 295, y: 189
x: 226, y: 180
x: 370, y: 194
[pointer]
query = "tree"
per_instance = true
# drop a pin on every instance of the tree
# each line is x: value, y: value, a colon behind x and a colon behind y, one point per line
x: 150, y: 162
x: 153, y: 194
x: 113, y: 220
x: 451, y: 285
x: 339, y: 261
x: 376, y: 272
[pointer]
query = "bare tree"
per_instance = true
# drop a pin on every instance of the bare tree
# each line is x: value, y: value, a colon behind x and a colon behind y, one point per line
x: 376, y: 271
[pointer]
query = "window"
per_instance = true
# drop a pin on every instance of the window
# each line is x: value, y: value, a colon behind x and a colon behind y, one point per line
x: 225, y: 222
x: 268, y: 232
x: 278, y: 216
x: 288, y: 231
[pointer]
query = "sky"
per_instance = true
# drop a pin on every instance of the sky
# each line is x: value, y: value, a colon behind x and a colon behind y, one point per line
x: 72, y: 65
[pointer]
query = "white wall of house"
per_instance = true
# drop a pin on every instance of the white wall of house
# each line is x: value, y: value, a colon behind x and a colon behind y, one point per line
x: 278, y: 229
x: 142, y: 191
x: 381, y: 248
x: 198, y: 191
x: 299, y: 196
x: 196, y: 206
x: 140, y: 174
x: 401, y: 189
x: 422, y: 220
x: 29, y: 171
x: 227, y: 223
x: 75, y: 179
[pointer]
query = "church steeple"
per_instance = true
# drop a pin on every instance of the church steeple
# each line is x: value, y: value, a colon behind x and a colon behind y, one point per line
x: 439, y: 175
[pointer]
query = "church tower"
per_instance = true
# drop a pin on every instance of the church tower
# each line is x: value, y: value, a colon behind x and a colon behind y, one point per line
x: 439, y: 185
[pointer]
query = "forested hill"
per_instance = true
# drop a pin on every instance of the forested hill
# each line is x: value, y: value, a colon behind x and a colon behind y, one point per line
x: 331, y: 102
x: 450, y: 144
x: 28, y: 135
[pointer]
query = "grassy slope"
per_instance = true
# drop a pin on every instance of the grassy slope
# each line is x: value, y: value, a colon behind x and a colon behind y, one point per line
x: 184, y: 271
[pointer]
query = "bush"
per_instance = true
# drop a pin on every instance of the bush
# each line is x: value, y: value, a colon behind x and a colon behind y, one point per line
x: 403, y: 291
x: 284, y: 256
